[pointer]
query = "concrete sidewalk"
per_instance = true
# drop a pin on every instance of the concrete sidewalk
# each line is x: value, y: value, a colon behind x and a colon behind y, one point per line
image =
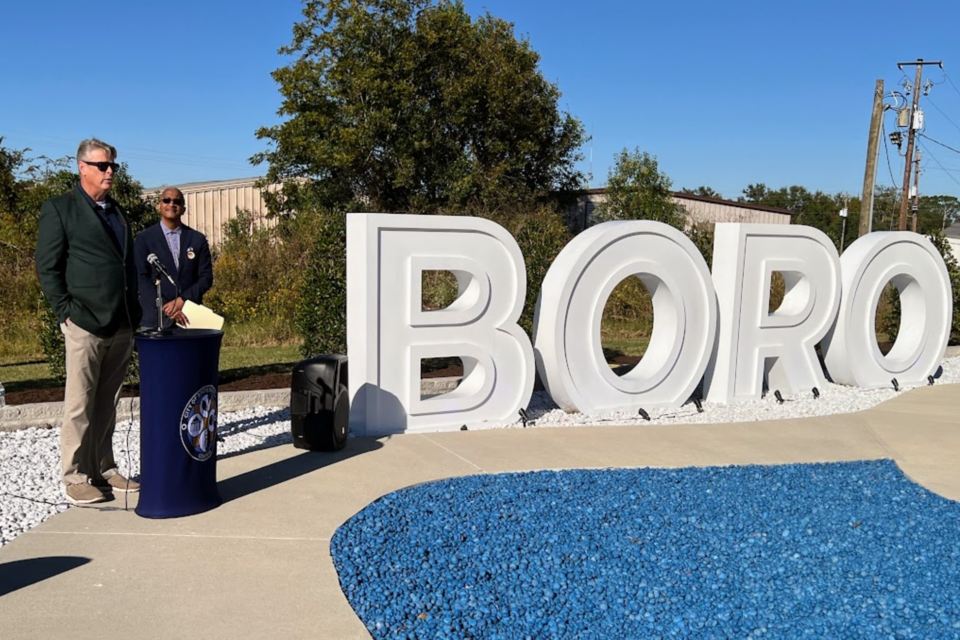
x: 259, y: 566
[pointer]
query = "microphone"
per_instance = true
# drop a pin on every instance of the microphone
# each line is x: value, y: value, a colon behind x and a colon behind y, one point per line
x: 154, y: 261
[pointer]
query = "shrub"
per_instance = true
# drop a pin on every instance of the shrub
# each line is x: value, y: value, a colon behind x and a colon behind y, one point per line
x: 258, y: 274
x: 541, y: 232
x: 321, y: 311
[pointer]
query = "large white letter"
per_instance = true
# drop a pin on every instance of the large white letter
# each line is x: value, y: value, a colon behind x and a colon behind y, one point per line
x: 389, y: 333
x: 575, y: 291
x: 753, y: 342
x: 916, y: 268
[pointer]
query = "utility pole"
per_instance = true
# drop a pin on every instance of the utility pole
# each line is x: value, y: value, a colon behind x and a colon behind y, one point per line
x: 916, y: 193
x: 873, y: 152
x: 912, y: 126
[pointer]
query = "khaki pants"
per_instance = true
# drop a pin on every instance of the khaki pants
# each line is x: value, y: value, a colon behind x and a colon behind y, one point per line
x: 96, y: 368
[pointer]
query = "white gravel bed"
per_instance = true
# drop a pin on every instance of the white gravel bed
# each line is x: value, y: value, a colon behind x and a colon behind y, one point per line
x: 30, y: 487
x: 31, y: 492
x: 834, y: 399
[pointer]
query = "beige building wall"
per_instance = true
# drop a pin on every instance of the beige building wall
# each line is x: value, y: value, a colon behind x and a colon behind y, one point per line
x: 699, y: 210
x: 210, y: 205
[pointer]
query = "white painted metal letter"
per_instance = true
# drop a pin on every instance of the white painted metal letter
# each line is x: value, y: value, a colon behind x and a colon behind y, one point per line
x: 754, y: 343
x: 389, y: 332
x: 917, y: 270
x: 575, y: 291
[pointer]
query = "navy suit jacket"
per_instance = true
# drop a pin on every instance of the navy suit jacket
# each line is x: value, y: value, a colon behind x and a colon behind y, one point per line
x: 194, y: 277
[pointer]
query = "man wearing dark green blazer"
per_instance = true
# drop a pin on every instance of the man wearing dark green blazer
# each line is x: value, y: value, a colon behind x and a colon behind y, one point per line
x: 85, y: 263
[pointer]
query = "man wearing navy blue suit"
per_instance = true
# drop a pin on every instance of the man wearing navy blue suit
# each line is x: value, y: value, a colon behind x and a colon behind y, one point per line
x: 184, y: 254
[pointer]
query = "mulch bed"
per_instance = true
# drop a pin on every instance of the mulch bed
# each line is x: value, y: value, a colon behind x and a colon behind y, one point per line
x: 248, y: 383
x: 229, y: 381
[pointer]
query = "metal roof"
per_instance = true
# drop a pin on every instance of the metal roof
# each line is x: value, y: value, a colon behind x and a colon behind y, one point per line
x: 208, y: 185
x: 690, y: 196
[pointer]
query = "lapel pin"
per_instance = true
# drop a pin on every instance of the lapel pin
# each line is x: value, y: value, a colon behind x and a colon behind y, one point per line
x: 190, y: 253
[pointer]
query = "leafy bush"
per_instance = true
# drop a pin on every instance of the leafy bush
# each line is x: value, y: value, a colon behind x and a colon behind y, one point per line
x: 541, y: 232
x: 638, y: 190
x: 321, y: 311
x: 258, y: 274
x: 702, y: 237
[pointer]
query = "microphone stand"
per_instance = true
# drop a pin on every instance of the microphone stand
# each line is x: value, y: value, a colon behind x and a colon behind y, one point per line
x: 159, y: 304
x: 159, y: 330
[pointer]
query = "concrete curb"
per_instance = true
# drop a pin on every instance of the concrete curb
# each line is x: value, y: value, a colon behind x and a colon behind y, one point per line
x: 50, y: 414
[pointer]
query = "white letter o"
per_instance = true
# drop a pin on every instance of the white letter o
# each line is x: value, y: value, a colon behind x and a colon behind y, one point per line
x: 916, y: 268
x: 567, y: 341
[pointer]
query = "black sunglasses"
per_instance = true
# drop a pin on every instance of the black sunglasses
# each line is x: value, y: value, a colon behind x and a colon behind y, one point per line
x: 103, y: 166
x: 178, y: 201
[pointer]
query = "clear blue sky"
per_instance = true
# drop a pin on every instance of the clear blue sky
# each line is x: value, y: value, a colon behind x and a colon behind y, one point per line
x: 723, y: 93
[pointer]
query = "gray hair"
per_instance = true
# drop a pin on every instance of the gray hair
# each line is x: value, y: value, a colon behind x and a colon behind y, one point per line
x: 91, y: 144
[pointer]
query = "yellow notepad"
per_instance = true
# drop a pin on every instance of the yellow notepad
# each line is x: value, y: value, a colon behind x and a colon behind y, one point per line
x: 200, y: 317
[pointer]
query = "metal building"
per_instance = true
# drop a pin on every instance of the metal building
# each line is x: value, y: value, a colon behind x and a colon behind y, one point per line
x: 210, y: 205
x: 953, y: 237
x: 700, y: 210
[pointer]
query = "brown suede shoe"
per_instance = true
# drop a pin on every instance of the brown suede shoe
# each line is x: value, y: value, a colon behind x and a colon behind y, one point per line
x: 120, y: 484
x: 84, y: 494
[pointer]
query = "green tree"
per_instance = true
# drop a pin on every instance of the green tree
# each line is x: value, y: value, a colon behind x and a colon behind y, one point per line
x: 637, y: 190
x: 703, y: 191
x: 812, y: 208
x: 936, y: 213
x: 412, y: 106
x: 886, y: 208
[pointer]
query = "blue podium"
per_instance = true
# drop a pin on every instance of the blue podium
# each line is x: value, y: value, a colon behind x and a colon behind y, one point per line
x: 178, y: 422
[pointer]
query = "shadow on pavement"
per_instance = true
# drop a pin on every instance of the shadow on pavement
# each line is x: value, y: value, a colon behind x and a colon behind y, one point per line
x: 23, y: 573
x: 284, y: 470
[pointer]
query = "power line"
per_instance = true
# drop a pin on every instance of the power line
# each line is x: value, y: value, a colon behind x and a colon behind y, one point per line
x: 950, y: 80
x: 942, y: 113
x: 938, y: 162
x: 939, y: 143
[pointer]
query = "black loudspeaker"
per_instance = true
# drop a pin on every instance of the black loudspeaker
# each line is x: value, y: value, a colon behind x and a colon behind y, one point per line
x: 320, y: 403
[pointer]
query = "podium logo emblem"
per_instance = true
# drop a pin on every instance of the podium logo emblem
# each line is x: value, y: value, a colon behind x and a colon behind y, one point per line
x: 198, y: 424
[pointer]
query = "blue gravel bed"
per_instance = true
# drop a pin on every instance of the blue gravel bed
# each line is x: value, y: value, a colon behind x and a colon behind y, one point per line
x: 848, y: 550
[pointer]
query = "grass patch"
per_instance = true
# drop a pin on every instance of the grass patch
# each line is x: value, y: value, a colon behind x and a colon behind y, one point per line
x: 625, y: 336
x: 253, y: 357
x: 19, y: 343
x: 627, y: 346
x: 243, y: 362
x: 265, y: 332
x: 29, y: 372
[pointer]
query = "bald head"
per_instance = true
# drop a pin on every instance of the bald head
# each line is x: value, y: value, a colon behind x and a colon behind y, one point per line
x: 172, y: 206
